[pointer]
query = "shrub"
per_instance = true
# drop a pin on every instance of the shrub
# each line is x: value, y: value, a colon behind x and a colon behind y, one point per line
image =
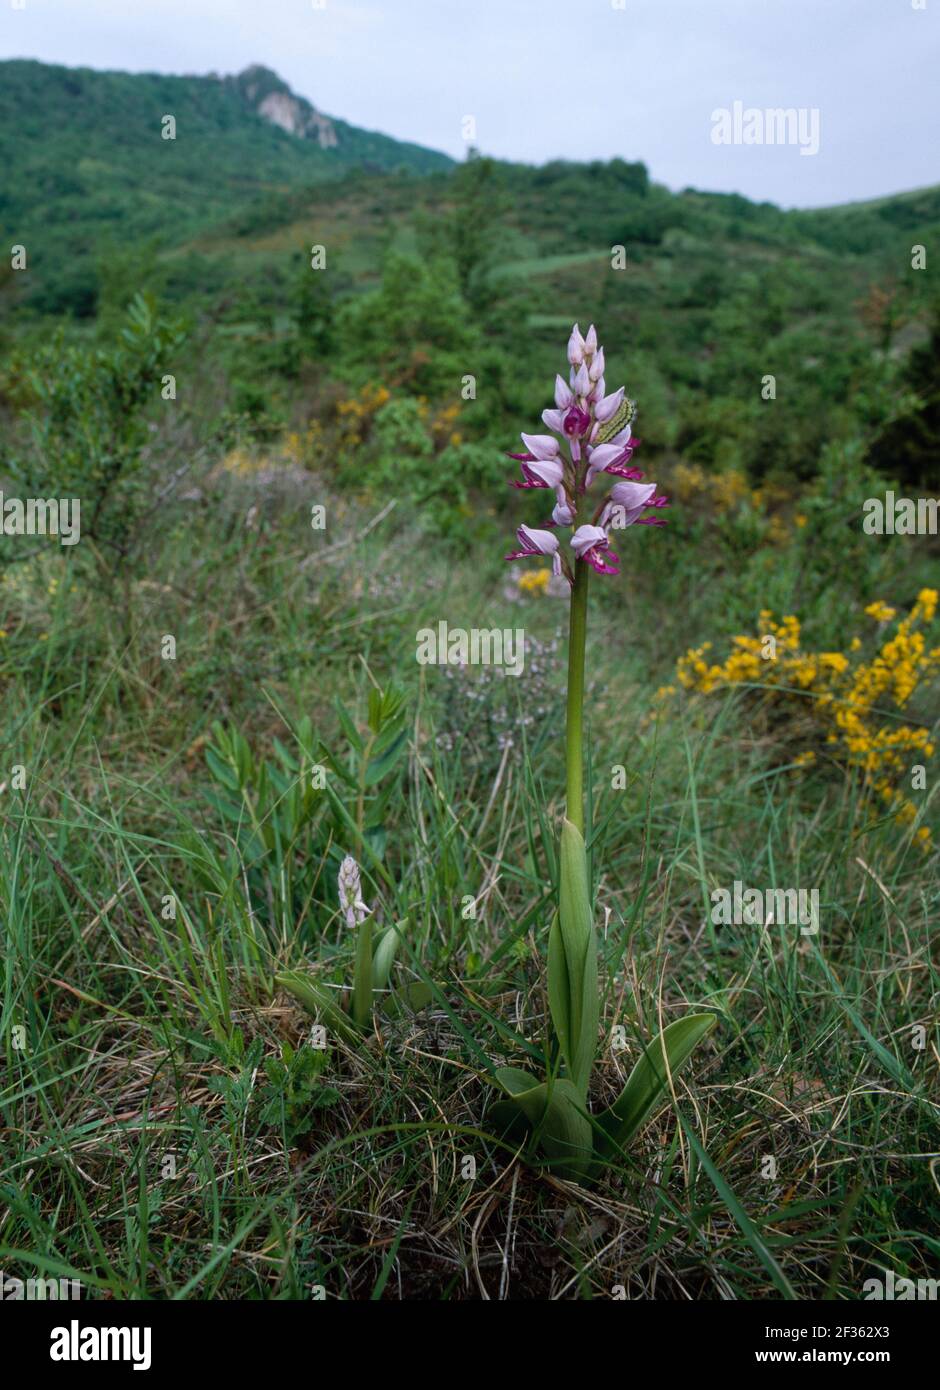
x: 847, y: 697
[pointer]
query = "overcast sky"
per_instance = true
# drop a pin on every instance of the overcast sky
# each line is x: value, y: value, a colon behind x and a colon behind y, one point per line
x: 578, y: 79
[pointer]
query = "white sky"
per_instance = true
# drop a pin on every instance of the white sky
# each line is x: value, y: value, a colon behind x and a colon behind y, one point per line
x: 578, y: 79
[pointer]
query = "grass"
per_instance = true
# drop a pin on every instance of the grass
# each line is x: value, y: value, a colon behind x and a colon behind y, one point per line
x: 167, y: 1131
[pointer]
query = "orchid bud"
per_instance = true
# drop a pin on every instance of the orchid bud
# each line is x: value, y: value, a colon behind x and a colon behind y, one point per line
x: 596, y: 368
x: 576, y: 347
x: 563, y: 393
x: 590, y: 342
x: 582, y: 382
x: 350, y: 893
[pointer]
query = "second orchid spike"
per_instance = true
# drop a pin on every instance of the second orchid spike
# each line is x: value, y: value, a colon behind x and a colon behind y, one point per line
x: 350, y: 893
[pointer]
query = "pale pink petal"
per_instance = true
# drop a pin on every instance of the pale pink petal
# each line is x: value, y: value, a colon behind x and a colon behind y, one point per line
x: 542, y: 446
x: 607, y: 408
x: 563, y: 393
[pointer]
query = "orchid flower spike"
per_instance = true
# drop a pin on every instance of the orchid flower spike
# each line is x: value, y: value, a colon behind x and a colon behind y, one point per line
x: 591, y: 438
x: 350, y: 893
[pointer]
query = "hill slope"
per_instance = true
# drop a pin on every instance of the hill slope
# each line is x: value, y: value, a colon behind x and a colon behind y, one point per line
x: 85, y: 162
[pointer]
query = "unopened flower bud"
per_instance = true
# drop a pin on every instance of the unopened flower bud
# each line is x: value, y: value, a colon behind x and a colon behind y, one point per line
x: 563, y: 393
x: 350, y: 893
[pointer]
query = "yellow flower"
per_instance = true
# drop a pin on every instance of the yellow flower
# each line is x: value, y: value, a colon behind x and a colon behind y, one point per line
x: 534, y: 581
x: 845, y: 696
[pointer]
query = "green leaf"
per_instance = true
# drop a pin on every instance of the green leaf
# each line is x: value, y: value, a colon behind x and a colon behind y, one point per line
x: 384, y: 762
x: 505, y: 1119
x: 650, y: 1078
x: 892, y: 1066
x: 747, y: 1227
x: 555, y: 1113
x: 516, y: 1082
x: 318, y: 1001
x: 348, y: 727
x: 411, y: 997
x: 384, y: 957
x: 416, y: 995
x: 221, y: 770
x: 572, y: 963
x: 375, y: 710
x: 559, y: 989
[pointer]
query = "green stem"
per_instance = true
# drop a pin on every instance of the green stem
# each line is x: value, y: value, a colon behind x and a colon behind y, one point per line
x: 362, y: 980
x: 577, y: 633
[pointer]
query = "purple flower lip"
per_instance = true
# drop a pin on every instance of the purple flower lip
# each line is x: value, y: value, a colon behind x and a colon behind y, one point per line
x: 602, y: 559
x: 576, y: 422
x: 631, y: 474
x: 659, y: 501
x: 591, y: 543
x: 595, y: 557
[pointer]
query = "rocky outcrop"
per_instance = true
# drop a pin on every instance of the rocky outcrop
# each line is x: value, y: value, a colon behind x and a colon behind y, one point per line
x: 275, y: 102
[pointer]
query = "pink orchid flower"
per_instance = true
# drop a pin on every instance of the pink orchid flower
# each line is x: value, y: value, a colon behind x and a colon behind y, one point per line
x: 535, y: 542
x: 590, y: 543
x: 575, y: 455
x: 627, y: 503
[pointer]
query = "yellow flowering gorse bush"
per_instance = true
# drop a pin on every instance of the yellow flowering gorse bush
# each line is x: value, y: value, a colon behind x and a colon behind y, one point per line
x: 849, y: 696
x: 356, y: 413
